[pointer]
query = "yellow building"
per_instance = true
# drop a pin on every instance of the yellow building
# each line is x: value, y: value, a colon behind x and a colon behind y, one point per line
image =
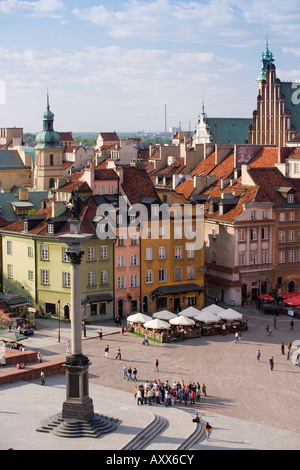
x: 172, y: 260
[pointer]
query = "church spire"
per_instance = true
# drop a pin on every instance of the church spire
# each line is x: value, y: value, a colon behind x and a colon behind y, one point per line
x: 266, y: 59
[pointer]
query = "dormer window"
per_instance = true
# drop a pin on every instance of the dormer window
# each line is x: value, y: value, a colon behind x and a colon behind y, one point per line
x: 50, y: 228
x: 25, y: 226
x: 290, y: 198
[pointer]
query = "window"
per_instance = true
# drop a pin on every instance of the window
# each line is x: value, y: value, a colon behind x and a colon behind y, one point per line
x: 111, y: 190
x: 44, y: 277
x: 281, y: 236
x: 50, y: 228
x: 30, y: 251
x: 292, y: 215
x: 253, y: 258
x: 91, y: 279
x: 213, y: 256
x: 253, y: 233
x: 292, y: 256
x: 66, y: 280
x: 281, y: 257
x: 264, y: 257
x: 290, y: 197
x: 91, y: 254
x: 103, y: 252
x: 30, y: 275
x: 121, y: 261
x: 134, y: 280
x: 162, y: 277
x: 264, y: 233
x: 10, y: 271
x: 190, y: 252
x: 121, y: 240
x: 65, y: 256
x: 161, y: 302
x: 190, y: 272
x: 103, y: 277
x: 161, y: 252
x: 291, y: 236
x: 101, y: 189
x: 133, y: 260
x: 178, y: 232
x: 242, y: 259
x: 121, y: 282
x: 253, y: 215
x: 133, y: 241
x: 44, y: 252
x: 282, y: 217
x: 9, y: 247
x: 178, y: 274
x: 149, y: 276
x: 149, y: 254
x: 178, y: 252
x: 191, y: 301
x: 149, y: 233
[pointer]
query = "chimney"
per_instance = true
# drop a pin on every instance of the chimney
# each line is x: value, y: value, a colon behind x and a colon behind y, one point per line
x: 23, y: 194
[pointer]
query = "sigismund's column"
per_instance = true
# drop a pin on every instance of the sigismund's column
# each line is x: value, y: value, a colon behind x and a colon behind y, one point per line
x: 78, y: 405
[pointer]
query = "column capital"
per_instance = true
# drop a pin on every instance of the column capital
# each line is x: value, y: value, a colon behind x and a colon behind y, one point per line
x: 75, y: 256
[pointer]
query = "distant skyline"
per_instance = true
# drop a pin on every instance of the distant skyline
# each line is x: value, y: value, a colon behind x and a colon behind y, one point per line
x: 114, y: 65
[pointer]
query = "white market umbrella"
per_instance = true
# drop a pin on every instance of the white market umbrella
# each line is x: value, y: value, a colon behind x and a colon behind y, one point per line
x: 294, y: 356
x: 190, y: 312
x: 230, y: 314
x: 207, y: 317
x: 138, y: 318
x: 296, y: 343
x: 164, y: 315
x: 213, y: 308
x: 157, y: 324
x: 182, y: 321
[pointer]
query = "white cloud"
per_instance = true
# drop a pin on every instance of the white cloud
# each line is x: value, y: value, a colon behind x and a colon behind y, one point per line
x: 31, y: 8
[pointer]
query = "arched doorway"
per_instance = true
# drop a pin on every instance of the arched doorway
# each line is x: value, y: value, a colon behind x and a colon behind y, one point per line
x: 145, y: 304
x: 120, y: 308
x: 292, y: 286
x: 66, y: 312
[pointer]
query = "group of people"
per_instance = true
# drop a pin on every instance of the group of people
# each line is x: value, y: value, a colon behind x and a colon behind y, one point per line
x: 164, y: 393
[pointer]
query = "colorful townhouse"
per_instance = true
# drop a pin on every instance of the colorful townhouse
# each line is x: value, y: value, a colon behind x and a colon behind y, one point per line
x: 43, y: 276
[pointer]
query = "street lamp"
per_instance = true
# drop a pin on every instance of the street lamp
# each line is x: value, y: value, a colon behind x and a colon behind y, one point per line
x: 58, y: 320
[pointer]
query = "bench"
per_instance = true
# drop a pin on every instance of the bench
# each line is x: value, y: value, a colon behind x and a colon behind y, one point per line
x: 32, y: 371
x: 14, y: 356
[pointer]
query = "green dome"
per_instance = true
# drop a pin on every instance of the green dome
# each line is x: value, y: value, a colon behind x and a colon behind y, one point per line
x: 48, y: 138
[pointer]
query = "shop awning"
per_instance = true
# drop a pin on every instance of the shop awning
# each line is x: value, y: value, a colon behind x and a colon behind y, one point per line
x: 92, y: 299
x: 177, y: 289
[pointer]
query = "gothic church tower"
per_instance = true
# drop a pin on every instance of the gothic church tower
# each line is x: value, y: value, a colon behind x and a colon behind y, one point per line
x: 48, y: 154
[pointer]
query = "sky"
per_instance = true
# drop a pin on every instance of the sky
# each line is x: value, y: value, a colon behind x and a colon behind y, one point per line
x: 130, y: 66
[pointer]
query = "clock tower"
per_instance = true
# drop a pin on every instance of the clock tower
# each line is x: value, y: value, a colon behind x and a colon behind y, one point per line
x: 48, y: 154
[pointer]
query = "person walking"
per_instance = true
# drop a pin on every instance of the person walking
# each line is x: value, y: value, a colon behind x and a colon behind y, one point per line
x: 275, y: 322
x: 203, y: 389
x: 156, y: 365
x: 208, y: 429
x: 236, y: 337
x: 271, y: 363
x: 139, y: 397
x: 129, y: 372
x: 106, y: 352
x: 291, y: 325
x: 282, y: 348
x: 42, y: 377
x: 68, y: 347
x: 118, y: 356
x: 134, y: 373
x: 146, y: 341
x: 100, y: 334
x: 124, y: 371
x: 258, y: 355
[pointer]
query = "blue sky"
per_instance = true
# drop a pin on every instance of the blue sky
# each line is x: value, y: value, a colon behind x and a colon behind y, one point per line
x: 114, y: 65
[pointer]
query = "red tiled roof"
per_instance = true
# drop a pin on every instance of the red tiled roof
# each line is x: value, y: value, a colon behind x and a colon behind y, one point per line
x: 105, y: 174
x: 137, y: 184
x: 265, y: 157
x: 66, y: 135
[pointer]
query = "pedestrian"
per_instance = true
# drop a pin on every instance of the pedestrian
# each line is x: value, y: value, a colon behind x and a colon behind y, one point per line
x: 106, y: 352
x: 196, y: 418
x: 258, y: 355
x: 240, y: 337
x: 282, y: 348
x: 198, y: 395
x: 185, y: 397
x: 129, y: 372
x: 139, y: 396
x: 291, y: 325
x: 146, y: 341
x: 134, y: 373
x: 236, y: 337
x: 203, y: 389
x: 156, y: 365
x: 122, y: 330
x: 208, y: 429
x: 68, y: 347
x: 118, y: 356
x: 42, y: 377
x: 268, y: 329
x: 100, y: 333
x: 275, y: 322
x: 271, y: 362
x: 40, y: 356
x: 124, y: 371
